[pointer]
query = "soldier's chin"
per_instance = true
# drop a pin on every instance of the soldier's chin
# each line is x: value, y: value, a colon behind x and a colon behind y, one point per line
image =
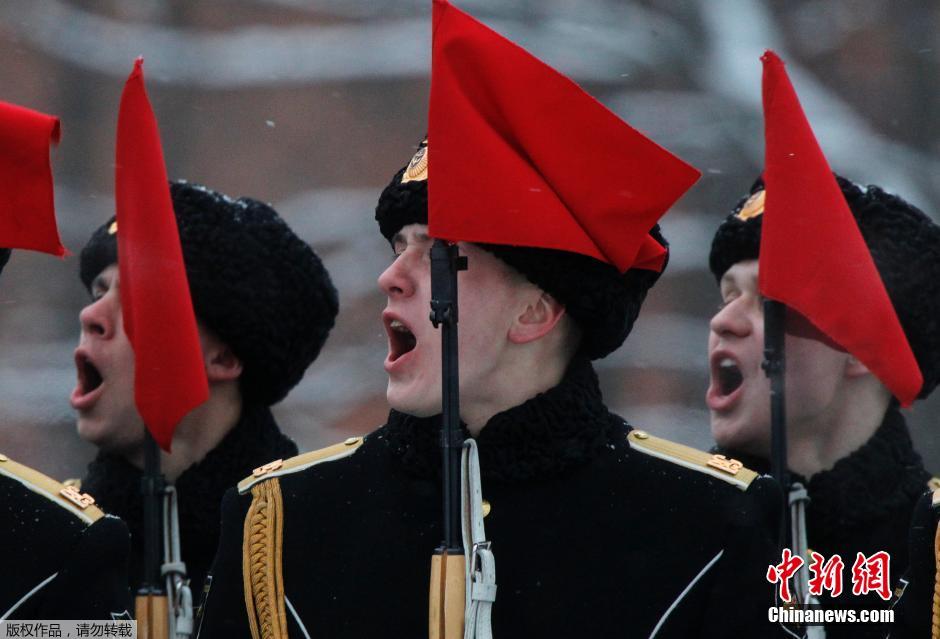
x: 404, y: 399
x: 91, y: 430
x: 732, y: 434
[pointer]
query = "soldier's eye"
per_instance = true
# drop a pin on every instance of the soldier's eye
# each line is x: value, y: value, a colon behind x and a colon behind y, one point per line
x: 726, y: 299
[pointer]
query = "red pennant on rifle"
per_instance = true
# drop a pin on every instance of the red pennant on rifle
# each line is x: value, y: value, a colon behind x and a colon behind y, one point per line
x: 812, y: 255
x: 521, y: 155
x: 27, y: 204
x: 170, y: 378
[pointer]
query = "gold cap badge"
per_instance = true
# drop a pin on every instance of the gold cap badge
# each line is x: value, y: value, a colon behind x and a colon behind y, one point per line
x: 113, y: 228
x: 417, y: 170
x: 753, y: 207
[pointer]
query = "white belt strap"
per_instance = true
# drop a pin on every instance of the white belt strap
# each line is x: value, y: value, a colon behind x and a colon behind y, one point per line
x: 481, y: 565
x: 174, y: 570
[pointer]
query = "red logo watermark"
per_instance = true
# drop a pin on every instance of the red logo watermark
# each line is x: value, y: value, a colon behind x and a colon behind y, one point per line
x: 872, y: 574
x: 784, y: 571
x: 869, y: 574
x: 826, y: 575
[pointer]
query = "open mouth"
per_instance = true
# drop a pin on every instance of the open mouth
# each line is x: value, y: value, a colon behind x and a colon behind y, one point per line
x: 728, y: 375
x: 88, y: 389
x: 89, y: 378
x: 401, y: 340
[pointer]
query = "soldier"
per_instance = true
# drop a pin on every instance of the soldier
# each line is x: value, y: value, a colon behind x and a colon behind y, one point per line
x: 62, y: 557
x: 597, y: 529
x: 264, y: 304
x: 847, y: 440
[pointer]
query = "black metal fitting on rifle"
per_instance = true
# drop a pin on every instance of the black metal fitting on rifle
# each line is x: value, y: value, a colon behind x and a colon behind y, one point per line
x: 152, y: 488
x: 452, y: 439
x: 774, y: 364
x: 775, y: 316
x: 446, y: 262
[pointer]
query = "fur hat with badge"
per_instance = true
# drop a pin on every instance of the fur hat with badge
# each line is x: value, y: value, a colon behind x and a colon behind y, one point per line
x: 602, y: 302
x: 255, y: 284
x: 905, y: 246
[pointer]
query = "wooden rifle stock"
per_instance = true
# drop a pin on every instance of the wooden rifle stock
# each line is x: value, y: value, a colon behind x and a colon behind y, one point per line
x: 447, y: 596
x: 152, y: 616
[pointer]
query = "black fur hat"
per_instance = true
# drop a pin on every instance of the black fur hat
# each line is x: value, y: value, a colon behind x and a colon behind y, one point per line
x: 904, y: 244
x: 254, y: 283
x: 603, y: 302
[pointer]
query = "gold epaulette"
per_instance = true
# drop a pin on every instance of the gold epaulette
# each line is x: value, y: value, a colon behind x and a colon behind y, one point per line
x: 729, y: 470
x: 935, y: 609
x: 263, y: 535
x: 933, y: 484
x: 286, y: 466
x: 262, y: 563
x: 68, y: 497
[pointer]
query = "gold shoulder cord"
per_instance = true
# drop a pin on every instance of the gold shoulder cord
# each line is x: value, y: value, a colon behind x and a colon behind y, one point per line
x: 935, y: 629
x: 261, y: 562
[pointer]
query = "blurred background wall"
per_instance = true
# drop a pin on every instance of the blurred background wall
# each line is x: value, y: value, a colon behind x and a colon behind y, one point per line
x: 314, y: 104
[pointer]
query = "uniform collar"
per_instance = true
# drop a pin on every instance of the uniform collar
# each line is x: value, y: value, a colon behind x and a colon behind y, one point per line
x: 885, y: 474
x: 560, y: 429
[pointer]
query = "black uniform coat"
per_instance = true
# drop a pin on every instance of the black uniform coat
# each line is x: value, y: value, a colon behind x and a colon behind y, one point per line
x: 115, y: 483
x: 591, y: 537
x: 59, y: 560
x: 914, y: 609
x: 864, y: 504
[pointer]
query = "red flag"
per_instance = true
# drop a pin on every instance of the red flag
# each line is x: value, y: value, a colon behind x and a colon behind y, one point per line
x: 27, y: 206
x: 523, y: 156
x: 812, y: 255
x: 170, y: 378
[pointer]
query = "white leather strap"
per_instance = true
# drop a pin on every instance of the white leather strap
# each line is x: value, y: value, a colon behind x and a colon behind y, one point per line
x: 799, y: 499
x: 481, y: 564
x: 173, y: 569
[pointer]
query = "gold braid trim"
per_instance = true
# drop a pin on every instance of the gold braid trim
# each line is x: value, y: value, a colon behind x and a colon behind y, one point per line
x: 261, y: 562
x: 935, y: 629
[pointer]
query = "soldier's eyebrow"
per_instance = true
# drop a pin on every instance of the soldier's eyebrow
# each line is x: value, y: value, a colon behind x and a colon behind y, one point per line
x: 416, y: 238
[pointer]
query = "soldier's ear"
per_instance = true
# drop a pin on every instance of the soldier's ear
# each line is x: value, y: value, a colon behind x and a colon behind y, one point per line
x: 222, y: 364
x: 540, y: 315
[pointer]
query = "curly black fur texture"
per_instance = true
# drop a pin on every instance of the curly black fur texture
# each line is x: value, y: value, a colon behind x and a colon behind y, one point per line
x: 254, y: 283
x: 560, y: 429
x: 905, y: 245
